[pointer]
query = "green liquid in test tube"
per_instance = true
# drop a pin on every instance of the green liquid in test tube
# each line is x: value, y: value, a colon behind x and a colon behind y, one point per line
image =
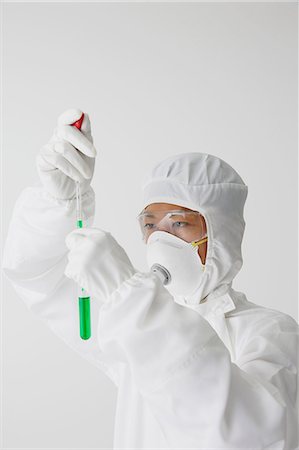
x: 83, y: 296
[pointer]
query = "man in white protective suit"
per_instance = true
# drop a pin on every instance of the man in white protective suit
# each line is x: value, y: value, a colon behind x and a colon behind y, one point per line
x: 196, y: 364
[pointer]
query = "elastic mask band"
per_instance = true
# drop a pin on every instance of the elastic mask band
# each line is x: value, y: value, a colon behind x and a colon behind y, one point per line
x: 197, y: 243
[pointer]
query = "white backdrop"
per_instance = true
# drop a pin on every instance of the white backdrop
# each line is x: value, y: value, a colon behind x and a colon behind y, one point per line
x: 157, y: 79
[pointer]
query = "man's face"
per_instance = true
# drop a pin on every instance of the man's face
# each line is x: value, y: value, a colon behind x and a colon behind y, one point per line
x: 196, y: 224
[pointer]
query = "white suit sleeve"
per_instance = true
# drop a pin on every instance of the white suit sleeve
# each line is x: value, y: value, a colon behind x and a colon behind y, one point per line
x: 35, y: 256
x: 184, y: 371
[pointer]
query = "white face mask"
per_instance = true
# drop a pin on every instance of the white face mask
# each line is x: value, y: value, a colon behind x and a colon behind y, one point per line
x: 176, y: 261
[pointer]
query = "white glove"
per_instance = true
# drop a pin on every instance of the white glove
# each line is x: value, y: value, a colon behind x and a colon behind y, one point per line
x: 97, y: 262
x: 69, y: 156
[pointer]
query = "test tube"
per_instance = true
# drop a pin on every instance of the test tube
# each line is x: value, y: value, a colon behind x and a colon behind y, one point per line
x: 83, y: 295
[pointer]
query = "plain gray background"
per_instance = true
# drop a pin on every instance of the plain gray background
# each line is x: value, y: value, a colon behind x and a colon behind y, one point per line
x: 157, y: 79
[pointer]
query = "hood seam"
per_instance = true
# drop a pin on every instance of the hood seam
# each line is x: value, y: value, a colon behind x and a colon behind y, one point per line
x: 169, y: 180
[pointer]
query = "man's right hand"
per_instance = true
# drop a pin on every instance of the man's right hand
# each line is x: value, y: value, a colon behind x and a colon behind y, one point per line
x: 69, y: 156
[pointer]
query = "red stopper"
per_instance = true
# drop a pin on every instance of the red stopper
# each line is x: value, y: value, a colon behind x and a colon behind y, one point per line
x: 78, y: 123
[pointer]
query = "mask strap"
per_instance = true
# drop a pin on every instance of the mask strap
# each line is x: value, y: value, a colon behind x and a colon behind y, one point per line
x: 197, y: 243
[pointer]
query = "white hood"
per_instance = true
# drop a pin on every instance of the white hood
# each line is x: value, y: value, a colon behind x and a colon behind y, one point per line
x: 207, y: 184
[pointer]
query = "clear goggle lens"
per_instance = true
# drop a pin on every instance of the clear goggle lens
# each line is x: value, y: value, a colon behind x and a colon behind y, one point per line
x: 187, y: 225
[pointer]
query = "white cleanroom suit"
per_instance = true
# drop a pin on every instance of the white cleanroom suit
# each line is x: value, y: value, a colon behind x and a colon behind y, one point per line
x: 208, y: 371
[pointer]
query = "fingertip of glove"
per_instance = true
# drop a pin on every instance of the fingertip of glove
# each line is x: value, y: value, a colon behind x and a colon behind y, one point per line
x: 78, y: 139
x: 93, y: 151
x: 87, y: 175
x: 69, y: 116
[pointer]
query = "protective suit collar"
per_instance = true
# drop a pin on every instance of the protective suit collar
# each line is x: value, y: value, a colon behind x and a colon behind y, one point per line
x: 219, y: 302
x: 216, y: 305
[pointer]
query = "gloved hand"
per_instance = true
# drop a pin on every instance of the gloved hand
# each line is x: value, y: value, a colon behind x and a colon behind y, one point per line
x: 69, y: 156
x: 97, y: 262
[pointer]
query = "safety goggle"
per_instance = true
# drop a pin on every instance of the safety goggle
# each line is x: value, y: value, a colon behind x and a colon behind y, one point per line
x: 187, y: 225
